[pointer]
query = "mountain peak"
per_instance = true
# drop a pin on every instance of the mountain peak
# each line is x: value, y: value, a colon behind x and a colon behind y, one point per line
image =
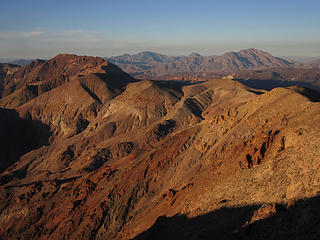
x: 149, y: 53
x: 194, y: 54
x: 254, y: 51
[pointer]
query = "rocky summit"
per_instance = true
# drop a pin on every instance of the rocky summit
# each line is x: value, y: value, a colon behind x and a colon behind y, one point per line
x: 89, y: 152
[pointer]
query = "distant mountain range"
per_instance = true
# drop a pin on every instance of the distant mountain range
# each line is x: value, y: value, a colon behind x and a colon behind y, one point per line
x: 154, y: 65
x: 20, y: 62
x: 148, y: 64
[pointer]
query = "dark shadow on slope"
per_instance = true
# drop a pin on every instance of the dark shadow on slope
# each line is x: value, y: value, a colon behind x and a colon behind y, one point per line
x: 163, y: 129
x: 172, y: 87
x: 16, y: 174
x: 18, y: 136
x: 270, y: 84
x: 307, y: 89
x: 257, y: 92
x: 98, y: 160
x: 116, y: 81
x: 313, y: 95
x: 92, y: 94
x: 176, y: 85
x: 115, y: 77
x: 298, y: 220
x: 195, y: 106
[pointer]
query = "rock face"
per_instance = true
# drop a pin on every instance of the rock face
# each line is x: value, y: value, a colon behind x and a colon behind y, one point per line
x: 127, y: 159
x: 153, y: 65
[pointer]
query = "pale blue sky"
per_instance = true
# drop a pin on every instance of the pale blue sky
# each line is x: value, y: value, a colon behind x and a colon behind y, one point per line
x: 42, y: 29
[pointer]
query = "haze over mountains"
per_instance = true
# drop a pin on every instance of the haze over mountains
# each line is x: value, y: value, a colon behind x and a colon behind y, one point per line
x: 89, y: 152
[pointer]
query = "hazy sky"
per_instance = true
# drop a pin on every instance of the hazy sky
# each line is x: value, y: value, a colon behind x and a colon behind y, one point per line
x: 44, y: 28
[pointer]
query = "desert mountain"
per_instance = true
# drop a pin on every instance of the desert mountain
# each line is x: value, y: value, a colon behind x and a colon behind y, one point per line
x: 154, y: 65
x: 142, y: 58
x: 116, y: 158
x: 41, y: 76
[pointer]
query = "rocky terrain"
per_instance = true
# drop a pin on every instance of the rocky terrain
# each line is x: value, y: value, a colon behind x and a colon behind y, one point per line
x: 146, y: 65
x: 88, y: 152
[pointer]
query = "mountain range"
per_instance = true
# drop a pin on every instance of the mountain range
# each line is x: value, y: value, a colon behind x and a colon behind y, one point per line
x: 89, y: 152
x: 148, y: 65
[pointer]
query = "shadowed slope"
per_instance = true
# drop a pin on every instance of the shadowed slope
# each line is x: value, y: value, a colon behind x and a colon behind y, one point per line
x: 298, y: 219
x: 280, y: 77
x: 19, y: 136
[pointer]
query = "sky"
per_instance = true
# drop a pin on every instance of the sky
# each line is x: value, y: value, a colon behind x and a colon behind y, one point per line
x: 45, y: 28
